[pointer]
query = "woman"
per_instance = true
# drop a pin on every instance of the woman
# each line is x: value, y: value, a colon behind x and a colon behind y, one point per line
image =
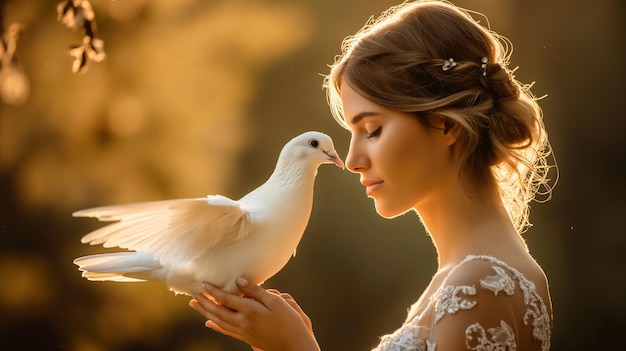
x: 440, y: 126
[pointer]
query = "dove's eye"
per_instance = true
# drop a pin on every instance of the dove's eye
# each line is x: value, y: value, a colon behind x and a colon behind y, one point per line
x: 314, y: 143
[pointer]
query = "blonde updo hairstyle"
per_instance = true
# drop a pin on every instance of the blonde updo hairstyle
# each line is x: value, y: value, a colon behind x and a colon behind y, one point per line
x: 397, y: 61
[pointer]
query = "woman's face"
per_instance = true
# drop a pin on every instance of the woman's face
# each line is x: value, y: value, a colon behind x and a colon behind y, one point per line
x: 403, y: 163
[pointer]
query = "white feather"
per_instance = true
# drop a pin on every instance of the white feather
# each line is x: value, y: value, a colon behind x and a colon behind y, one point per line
x: 185, y: 242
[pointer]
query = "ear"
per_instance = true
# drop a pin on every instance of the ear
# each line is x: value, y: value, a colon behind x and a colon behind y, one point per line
x: 449, y: 128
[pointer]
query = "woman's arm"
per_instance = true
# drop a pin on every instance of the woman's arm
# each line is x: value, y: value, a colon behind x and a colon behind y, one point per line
x: 266, y: 320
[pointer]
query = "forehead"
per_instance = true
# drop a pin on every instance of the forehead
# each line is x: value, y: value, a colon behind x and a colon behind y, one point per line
x: 355, y: 106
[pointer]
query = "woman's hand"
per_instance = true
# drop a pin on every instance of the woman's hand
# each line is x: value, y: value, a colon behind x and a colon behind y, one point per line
x: 266, y: 320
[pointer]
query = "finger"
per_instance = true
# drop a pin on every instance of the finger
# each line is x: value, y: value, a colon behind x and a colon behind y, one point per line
x: 202, y: 307
x: 195, y: 304
x: 286, y: 296
x: 214, y: 326
x: 296, y: 307
x: 234, y: 302
x: 255, y: 292
x: 204, y: 301
x: 214, y: 292
x: 215, y: 320
x: 211, y: 310
x: 291, y: 302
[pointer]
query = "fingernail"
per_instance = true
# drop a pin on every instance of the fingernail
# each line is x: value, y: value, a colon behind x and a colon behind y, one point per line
x: 242, y: 282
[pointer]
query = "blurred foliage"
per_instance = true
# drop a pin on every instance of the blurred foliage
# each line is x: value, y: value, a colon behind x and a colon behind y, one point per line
x: 14, y: 86
x: 197, y: 97
x: 79, y: 15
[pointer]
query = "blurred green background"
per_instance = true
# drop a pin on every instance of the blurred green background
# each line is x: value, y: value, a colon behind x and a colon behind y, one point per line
x: 197, y: 97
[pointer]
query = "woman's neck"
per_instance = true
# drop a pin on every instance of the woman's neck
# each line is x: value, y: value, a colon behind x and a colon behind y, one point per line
x: 460, y: 225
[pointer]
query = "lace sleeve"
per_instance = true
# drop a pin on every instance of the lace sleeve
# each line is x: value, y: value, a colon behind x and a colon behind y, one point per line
x: 488, y: 306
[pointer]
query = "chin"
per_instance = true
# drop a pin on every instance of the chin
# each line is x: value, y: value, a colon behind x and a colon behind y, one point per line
x: 390, y: 212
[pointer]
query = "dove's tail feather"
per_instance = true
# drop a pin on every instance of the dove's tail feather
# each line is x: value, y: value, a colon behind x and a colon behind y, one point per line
x: 119, y: 267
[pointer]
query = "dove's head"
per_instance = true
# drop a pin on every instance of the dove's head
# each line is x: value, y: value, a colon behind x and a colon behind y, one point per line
x: 313, y: 148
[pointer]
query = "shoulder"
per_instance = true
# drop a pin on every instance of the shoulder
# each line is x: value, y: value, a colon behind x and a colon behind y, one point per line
x: 483, y: 272
x: 483, y: 302
x: 473, y: 286
x: 498, y: 277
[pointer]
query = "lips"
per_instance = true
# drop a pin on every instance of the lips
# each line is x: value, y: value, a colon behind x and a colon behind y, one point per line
x: 371, y: 186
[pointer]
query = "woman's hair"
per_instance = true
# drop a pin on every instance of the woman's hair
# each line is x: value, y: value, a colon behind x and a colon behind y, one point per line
x: 430, y: 57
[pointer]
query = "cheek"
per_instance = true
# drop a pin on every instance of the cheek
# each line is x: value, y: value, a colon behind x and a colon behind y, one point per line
x: 408, y: 162
x: 404, y: 181
x: 399, y: 153
x: 413, y: 172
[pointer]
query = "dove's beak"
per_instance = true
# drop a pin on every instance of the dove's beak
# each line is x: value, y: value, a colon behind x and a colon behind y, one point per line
x: 334, y: 157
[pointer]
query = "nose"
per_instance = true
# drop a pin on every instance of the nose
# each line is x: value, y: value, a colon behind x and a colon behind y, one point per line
x: 356, y: 159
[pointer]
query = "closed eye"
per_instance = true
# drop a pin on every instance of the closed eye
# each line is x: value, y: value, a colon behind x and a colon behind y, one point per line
x: 375, y: 133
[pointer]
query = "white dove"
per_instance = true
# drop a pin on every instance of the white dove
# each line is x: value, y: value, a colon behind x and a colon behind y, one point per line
x: 185, y: 242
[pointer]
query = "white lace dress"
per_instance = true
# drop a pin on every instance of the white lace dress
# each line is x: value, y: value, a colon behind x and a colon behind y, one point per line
x: 502, y: 311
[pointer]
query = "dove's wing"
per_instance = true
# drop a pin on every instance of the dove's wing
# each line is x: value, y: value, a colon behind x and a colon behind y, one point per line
x: 171, y: 230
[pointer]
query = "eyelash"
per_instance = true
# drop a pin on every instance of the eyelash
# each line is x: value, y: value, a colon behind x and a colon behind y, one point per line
x: 375, y: 133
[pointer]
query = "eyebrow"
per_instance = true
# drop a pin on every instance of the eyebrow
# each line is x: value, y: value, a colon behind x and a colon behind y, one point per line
x: 356, y: 119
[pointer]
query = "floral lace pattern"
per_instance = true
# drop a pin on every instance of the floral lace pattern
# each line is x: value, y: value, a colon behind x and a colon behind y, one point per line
x: 451, y: 299
x: 448, y: 300
x: 536, y: 309
x: 502, y: 338
x: 499, y: 282
x: 407, y: 338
